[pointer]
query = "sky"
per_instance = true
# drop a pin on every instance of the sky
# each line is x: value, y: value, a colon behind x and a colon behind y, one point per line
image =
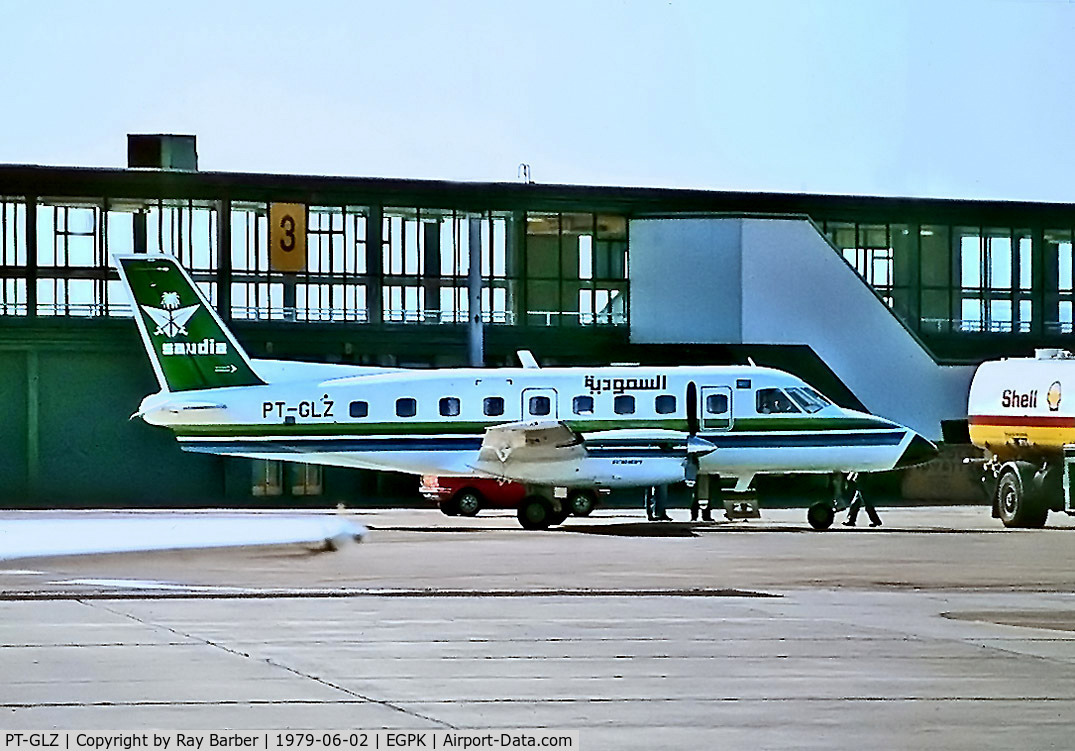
x: 926, y: 98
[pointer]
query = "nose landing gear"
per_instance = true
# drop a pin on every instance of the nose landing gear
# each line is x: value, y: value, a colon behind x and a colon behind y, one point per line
x: 821, y: 514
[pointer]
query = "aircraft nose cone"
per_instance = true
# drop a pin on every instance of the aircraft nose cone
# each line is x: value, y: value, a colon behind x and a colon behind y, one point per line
x: 698, y: 446
x: 918, y: 451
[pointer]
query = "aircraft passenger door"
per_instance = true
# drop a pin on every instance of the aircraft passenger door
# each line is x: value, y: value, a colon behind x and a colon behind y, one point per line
x: 716, y: 408
x: 540, y: 404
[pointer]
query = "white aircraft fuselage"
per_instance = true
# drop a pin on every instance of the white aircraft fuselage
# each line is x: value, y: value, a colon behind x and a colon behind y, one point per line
x: 366, y: 421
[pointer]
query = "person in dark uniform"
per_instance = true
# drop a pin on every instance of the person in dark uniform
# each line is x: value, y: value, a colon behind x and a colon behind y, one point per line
x: 701, y: 495
x: 859, y: 501
x: 656, y: 500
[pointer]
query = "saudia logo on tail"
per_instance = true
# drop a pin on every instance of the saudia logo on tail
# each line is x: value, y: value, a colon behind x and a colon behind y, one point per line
x: 171, y: 320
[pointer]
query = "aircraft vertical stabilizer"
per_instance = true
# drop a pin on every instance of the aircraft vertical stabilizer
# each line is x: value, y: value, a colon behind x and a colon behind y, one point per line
x: 188, y: 344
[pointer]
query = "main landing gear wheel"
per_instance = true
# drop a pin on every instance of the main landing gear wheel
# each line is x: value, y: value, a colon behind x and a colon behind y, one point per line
x: 1017, y: 508
x: 820, y: 516
x: 580, y: 503
x: 468, y: 502
x: 535, y: 512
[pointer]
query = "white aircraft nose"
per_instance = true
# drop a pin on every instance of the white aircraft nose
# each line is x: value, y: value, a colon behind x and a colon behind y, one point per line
x: 918, y: 451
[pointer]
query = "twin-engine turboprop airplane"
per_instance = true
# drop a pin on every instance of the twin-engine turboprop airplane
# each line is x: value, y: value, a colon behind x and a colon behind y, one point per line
x: 549, y: 428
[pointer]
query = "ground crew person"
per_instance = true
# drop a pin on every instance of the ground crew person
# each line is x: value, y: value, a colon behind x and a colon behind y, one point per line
x: 858, y: 501
x: 656, y: 500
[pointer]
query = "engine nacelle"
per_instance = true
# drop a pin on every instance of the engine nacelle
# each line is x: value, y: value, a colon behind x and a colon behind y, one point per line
x: 600, y: 472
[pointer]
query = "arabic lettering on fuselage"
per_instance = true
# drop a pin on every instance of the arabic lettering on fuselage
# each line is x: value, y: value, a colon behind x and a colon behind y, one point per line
x: 623, y: 385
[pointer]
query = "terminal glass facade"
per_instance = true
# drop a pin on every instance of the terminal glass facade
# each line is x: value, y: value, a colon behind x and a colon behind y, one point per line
x: 964, y: 278
x: 554, y: 258
x: 576, y: 266
x: 426, y: 262
x: 379, y: 265
x: 383, y: 264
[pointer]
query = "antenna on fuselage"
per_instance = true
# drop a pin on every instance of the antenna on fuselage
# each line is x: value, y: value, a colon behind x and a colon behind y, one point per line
x: 527, y: 359
x: 751, y: 363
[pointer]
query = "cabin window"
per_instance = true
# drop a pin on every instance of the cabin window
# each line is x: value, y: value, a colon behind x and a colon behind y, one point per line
x: 742, y: 383
x: 493, y: 406
x: 360, y: 409
x: 406, y: 407
x: 582, y: 405
x: 624, y: 404
x: 540, y: 405
x: 665, y: 404
x: 449, y: 406
x: 774, y: 401
x: 716, y: 404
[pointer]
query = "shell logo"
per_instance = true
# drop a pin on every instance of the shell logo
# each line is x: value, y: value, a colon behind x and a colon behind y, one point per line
x: 1053, y: 397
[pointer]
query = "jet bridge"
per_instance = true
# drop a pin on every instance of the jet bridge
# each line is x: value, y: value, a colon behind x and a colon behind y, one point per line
x: 754, y: 281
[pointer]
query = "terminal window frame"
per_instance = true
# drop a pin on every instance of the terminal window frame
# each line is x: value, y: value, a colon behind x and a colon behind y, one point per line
x: 995, y: 275
x: 306, y: 479
x: 73, y: 269
x: 575, y: 269
x: 13, y: 256
x: 425, y: 262
x: 335, y: 283
x: 267, y: 477
x: 406, y: 406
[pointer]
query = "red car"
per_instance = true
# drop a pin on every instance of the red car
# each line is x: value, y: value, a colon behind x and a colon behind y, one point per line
x: 466, y: 496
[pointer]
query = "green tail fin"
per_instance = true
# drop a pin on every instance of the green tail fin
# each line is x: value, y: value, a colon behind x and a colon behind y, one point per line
x: 188, y: 344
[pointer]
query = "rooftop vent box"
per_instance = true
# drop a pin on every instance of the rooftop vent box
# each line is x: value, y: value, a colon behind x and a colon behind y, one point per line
x: 162, y: 151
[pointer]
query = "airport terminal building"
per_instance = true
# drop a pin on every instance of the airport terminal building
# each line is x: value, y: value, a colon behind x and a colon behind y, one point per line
x: 883, y: 303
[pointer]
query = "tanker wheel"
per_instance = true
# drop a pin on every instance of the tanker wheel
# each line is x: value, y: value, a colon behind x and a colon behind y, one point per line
x: 535, y: 512
x: 820, y: 515
x: 1016, y: 507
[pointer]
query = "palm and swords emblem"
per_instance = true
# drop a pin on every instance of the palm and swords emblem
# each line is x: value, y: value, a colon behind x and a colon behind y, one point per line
x: 171, y: 319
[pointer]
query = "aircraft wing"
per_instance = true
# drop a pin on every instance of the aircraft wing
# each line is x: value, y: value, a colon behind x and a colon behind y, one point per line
x: 530, y: 441
x: 552, y: 453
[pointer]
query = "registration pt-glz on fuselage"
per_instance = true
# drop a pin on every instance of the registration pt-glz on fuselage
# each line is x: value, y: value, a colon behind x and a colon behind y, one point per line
x: 550, y: 428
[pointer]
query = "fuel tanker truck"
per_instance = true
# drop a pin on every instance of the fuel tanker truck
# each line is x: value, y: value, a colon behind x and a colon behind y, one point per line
x: 1021, y: 412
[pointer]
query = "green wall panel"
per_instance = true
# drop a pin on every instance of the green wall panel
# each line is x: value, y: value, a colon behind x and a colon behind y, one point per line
x: 91, y: 452
x: 13, y: 427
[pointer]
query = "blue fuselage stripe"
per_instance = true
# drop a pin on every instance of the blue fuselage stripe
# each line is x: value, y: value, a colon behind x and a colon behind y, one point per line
x: 613, y: 448
x: 809, y: 440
